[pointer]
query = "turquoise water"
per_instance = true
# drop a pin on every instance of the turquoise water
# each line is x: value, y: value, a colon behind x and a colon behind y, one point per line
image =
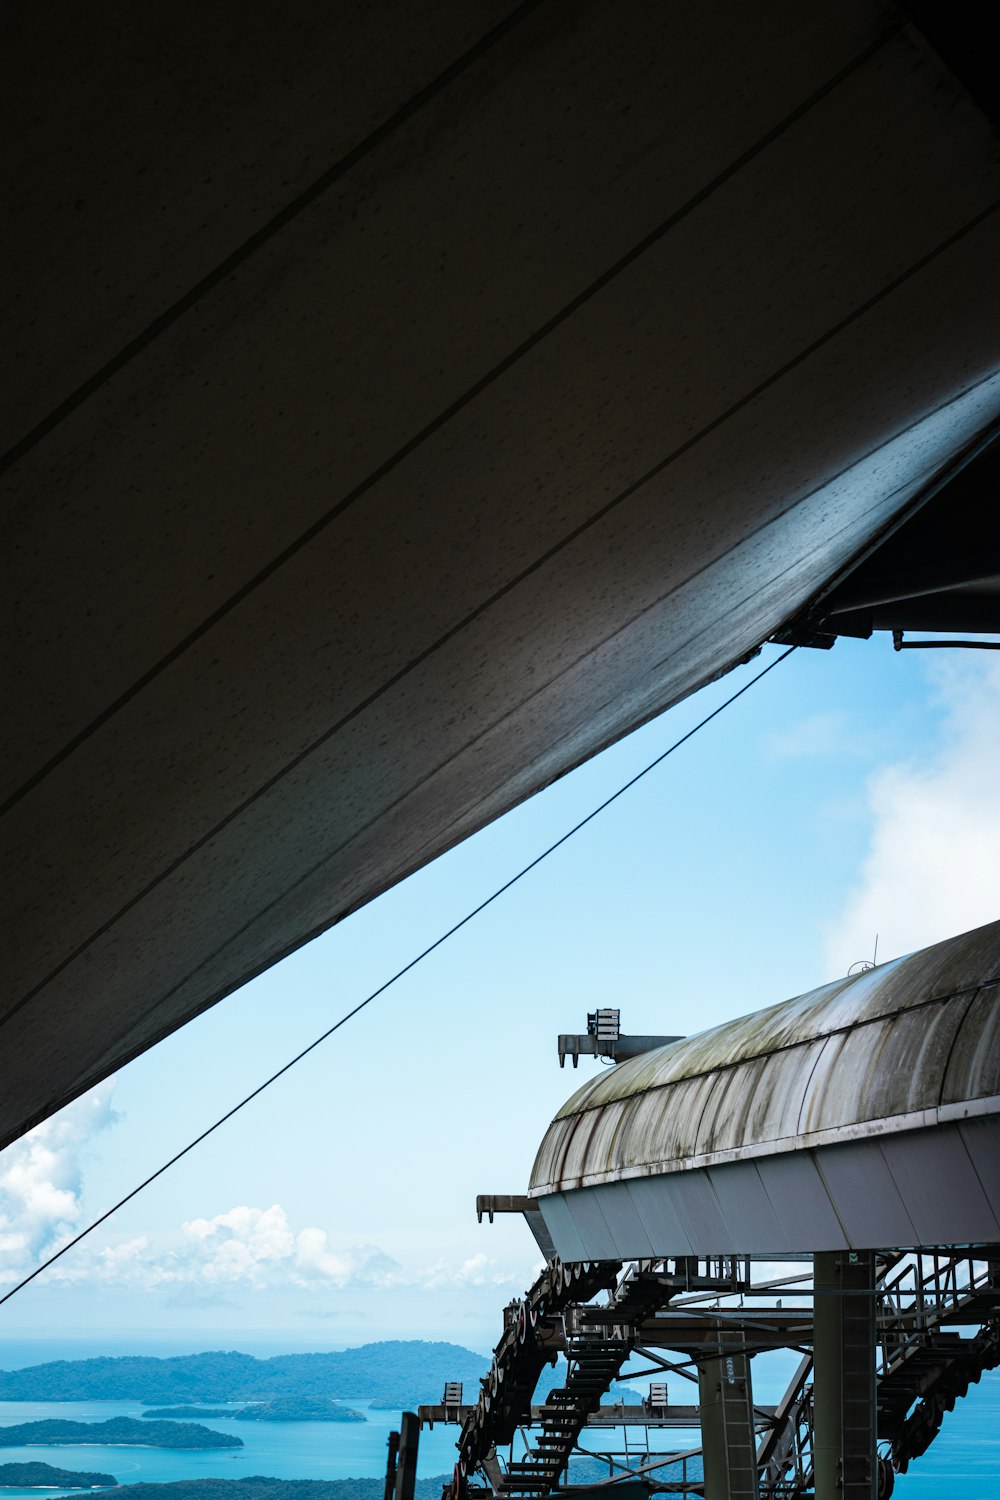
x: 284, y: 1450
x: 962, y: 1464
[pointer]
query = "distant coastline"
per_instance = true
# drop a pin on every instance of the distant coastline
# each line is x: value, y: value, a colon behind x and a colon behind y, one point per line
x: 281, y: 1409
x: 397, y: 1372
x: 259, y: 1487
x: 191, y: 1413
x: 390, y: 1376
x: 38, y: 1476
x: 395, y: 1375
x: 117, y: 1432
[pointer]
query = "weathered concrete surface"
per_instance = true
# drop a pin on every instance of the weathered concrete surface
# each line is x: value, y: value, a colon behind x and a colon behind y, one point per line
x: 406, y: 410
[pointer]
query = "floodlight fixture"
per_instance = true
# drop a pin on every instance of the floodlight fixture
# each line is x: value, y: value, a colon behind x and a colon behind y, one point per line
x: 605, y: 1025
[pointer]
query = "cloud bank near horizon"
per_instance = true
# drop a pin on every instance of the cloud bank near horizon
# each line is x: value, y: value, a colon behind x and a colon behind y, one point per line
x: 246, y: 1247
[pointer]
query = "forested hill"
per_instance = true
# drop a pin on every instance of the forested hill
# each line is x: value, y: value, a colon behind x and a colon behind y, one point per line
x: 396, y: 1371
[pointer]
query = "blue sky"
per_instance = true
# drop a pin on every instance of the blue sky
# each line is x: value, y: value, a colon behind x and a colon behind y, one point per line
x: 851, y: 792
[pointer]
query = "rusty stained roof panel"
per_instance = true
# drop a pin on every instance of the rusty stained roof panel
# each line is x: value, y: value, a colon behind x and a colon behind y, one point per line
x: 915, y: 1042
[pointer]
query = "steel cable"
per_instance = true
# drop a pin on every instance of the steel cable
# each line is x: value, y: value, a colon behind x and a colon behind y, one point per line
x: 399, y: 974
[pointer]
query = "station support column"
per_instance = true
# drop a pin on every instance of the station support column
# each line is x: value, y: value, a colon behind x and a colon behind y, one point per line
x: 389, y: 1492
x: 729, y: 1447
x: 406, y: 1464
x: 844, y: 1413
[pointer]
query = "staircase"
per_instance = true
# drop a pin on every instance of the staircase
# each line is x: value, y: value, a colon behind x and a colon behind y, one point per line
x: 594, y: 1362
x: 595, y: 1353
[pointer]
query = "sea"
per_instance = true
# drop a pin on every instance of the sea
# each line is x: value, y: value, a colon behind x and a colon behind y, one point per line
x: 962, y: 1464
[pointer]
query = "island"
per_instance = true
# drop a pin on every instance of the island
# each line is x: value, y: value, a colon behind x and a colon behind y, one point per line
x: 45, y: 1477
x: 117, y: 1432
x: 298, y: 1409
x: 192, y: 1413
x: 281, y: 1409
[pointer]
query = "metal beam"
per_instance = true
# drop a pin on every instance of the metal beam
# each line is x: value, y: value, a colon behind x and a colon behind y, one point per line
x: 390, y: 1466
x: 619, y: 1049
x: 518, y: 1203
x: 605, y: 1416
x: 844, y: 1387
x: 406, y: 1467
x: 728, y: 1425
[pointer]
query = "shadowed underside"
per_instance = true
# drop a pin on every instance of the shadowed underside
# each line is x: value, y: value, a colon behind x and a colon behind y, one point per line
x: 407, y: 407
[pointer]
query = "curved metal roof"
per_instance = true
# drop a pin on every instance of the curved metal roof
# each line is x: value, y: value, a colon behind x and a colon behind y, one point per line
x: 913, y: 1043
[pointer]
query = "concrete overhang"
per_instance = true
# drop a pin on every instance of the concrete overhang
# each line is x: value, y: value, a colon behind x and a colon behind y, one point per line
x: 409, y: 405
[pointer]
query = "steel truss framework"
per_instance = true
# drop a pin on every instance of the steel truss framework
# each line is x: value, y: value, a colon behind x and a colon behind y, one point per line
x: 904, y: 1334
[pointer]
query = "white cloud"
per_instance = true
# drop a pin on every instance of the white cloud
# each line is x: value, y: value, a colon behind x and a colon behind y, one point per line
x: 243, y: 1244
x: 259, y: 1247
x: 933, y: 864
x: 477, y: 1271
x: 41, y: 1182
x: 364, y: 1265
x: 245, y: 1247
